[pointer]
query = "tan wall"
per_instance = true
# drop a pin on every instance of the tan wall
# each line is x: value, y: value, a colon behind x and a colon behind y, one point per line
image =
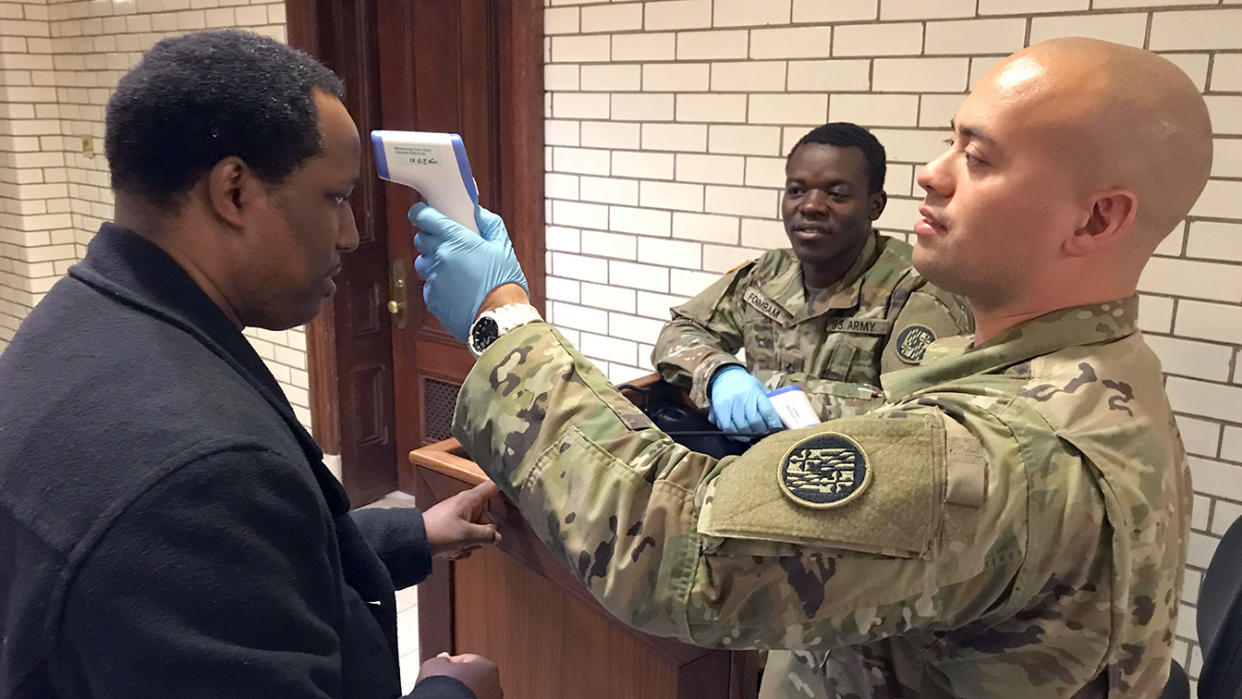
x: 667, y: 123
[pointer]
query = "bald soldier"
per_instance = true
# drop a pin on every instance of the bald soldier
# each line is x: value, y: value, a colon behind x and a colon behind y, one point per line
x: 828, y: 314
x: 1012, y: 522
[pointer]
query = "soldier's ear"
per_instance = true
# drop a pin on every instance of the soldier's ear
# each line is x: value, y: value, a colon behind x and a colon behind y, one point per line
x: 878, y: 201
x: 1105, y: 224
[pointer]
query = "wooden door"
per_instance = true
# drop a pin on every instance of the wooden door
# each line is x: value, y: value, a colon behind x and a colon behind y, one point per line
x: 382, y: 385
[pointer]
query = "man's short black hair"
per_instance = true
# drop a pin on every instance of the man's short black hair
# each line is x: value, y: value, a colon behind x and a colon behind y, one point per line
x: 843, y: 134
x: 195, y: 99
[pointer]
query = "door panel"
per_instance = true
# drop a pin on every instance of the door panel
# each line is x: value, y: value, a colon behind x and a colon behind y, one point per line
x: 350, y: 344
x: 437, y: 86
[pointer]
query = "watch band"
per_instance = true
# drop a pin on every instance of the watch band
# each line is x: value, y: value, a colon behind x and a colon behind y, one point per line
x: 490, y: 325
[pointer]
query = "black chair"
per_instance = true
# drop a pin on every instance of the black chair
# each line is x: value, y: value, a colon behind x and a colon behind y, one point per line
x: 1219, y: 619
x: 1178, y: 686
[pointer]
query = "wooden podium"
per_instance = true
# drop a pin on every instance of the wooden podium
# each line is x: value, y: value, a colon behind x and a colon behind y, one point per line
x: 551, y: 640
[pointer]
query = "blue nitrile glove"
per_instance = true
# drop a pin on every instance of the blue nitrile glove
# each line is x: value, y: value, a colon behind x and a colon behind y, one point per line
x: 740, y: 403
x: 461, y: 268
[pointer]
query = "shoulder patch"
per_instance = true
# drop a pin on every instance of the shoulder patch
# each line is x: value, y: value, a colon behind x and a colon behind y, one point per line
x: 912, y: 342
x: 827, y: 470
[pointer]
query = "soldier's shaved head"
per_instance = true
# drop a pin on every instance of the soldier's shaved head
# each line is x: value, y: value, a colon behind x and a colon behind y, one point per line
x: 1071, y: 160
x: 1126, y: 118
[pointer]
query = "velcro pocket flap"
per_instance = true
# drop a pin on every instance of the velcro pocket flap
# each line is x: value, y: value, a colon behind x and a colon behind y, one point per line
x: 896, y: 510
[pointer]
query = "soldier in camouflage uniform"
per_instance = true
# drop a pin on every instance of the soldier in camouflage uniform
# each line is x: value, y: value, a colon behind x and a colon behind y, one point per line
x: 1013, y: 522
x: 832, y: 312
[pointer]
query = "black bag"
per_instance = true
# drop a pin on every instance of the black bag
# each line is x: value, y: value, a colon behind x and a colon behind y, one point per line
x: 686, y: 425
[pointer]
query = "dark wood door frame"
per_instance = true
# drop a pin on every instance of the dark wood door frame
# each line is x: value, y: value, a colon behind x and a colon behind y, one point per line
x: 344, y: 35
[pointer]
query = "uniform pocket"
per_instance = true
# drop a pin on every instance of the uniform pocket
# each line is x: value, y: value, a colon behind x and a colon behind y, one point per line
x: 759, y: 340
x: 854, y: 358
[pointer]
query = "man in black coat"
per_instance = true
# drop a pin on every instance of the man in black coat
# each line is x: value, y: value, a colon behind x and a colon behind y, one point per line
x: 167, y: 527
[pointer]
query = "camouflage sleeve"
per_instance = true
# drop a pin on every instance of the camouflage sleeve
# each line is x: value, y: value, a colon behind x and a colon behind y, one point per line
x: 831, y: 399
x: 703, y: 336
x: 711, y: 552
x: 927, y: 314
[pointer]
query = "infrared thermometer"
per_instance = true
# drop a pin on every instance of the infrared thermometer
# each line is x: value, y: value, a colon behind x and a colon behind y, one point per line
x: 794, y: 407
x: 435, y: 164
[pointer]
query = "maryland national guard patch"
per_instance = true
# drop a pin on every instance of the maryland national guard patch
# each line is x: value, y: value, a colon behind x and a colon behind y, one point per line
x: 912, y: 342
x: 824, y: 471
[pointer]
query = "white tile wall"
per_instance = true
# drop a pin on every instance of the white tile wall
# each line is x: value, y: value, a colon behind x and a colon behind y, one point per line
x: 798, y: 42
x: 675, y: 77
x: 829, y: 76
x: 1195, y: 65
x: 610, y: 77
x: 1022, y: 7
x: 1129, y: 28
x: 612, y: 18
x: 975, y: 36
x: 1155, y: 313
x: 884, y: 39
x: 1200, y: 436
x: 678, y: 14
x: 733, y: 13
x: 1227, y: 72
x: 705, y: 227
x: 1195, y: 29
x: 651, y: 46
x: 714, y: 44
x: 920, y: 9
x: 608, y: 190
x: 729, y: 85
x: 715, y: 169
x: 1227, y: 158
x: 835, y: 11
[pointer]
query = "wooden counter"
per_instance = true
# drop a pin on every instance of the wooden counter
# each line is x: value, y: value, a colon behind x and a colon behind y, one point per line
x: 516, y: 605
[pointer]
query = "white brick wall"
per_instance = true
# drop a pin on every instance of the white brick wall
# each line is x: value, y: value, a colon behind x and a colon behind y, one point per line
x: 36, y: 233
x: 59, y: 60
x: 727, y: 86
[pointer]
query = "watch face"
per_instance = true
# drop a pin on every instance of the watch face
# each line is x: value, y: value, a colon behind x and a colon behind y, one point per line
x: 484, y: 333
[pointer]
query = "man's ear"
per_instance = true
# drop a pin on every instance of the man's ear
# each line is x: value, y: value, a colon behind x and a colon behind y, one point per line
x: 1109, y: 218
x: 878, y: 201
x: 229, y: 185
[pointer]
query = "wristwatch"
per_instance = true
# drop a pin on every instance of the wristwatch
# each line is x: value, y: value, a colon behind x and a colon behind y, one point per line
x: 490, y: 325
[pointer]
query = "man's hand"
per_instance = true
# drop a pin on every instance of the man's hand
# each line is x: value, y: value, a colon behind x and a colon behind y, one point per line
x: 461, y: 268
x: 740, y: 403
x: 457, y: 526
x: 474, y: 671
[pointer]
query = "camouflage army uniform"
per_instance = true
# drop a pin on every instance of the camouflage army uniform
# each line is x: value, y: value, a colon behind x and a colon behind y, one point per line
x: 878, y: 317
x: 1012, y: 523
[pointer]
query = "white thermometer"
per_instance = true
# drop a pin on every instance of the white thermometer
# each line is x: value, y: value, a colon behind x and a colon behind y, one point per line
x: 433, y: 163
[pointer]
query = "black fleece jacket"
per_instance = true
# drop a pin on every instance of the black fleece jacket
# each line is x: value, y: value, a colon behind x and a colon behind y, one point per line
x: 167, y: 527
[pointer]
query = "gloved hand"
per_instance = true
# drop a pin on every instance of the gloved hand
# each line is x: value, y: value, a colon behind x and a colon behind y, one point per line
x: 740, y: 403
x: 461, y: 268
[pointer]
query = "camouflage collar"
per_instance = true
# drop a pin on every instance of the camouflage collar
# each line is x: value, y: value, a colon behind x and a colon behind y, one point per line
x: 954, y: 358
x: 843, y: 293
